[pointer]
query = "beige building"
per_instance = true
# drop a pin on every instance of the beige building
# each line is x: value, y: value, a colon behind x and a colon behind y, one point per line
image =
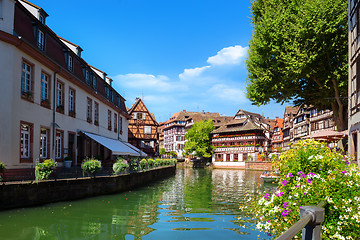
x: 54, y: 104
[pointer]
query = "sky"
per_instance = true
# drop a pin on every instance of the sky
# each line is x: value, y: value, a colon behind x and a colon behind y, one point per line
x: 176, y: 55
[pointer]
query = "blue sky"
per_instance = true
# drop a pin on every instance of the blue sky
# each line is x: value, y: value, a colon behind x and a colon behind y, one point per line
x: 178, y: 54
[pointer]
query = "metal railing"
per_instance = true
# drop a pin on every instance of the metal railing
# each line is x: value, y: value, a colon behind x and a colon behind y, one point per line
x: 310, y: 221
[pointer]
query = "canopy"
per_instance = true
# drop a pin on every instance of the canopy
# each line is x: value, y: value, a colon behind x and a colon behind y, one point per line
x: 328, y: 135
x: 117, y: 147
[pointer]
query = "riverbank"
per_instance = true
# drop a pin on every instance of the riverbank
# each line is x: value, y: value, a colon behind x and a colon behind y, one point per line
x: 26, y: 194
x: 254, y: 165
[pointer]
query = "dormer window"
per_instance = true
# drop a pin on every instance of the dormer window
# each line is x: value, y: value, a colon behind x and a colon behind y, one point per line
x: 87, y: 76
x: 42, y: 18
x: 41, y: 40
x: 94, y: 82
x: 70, y: 63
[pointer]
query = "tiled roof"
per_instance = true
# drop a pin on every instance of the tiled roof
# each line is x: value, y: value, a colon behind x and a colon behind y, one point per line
x: 249, y: 125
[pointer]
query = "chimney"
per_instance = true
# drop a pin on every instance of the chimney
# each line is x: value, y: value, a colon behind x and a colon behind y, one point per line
x: 184, y: 110
x: 203, y: 111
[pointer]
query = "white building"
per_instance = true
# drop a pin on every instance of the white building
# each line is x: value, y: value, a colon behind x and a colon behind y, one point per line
x: 54, y: 104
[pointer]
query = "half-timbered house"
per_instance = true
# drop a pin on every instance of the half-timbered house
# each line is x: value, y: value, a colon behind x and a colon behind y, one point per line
x: 143, y: 128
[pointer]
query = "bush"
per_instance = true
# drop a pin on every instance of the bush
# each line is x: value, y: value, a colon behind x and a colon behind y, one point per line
x: 2, y: 169
x: 151, y: 163
x: 143, y: 164
x: 134, y: 165
x: 91, y: 166
x: 160, y: 162
x: 120, y: 166
x: 44, y: 169
x: 311, y: 172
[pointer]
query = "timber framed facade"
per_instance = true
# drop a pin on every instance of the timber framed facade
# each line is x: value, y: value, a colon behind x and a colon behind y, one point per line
x: 143, y: 129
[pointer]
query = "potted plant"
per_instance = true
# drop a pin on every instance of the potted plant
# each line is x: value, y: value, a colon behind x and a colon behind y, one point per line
x: 67, y: 162
x: 45, y: 103
x: 91, y: 166
x: 120, y: 166
x: 60, y: 108
x: 72, y: 113
x: 44, y: 169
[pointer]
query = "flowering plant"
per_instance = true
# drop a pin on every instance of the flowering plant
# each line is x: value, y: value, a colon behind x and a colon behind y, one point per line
x: 2, y: 169
x: 143, y: 164
x: 44, y: 169
x: 120, y: 166
x: 309, y: 173
x: 91, y: 166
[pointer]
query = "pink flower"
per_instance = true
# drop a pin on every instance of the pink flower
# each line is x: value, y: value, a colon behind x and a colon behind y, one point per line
x: 285, y: 182
x: 311, y: 174
x: 267, y: 196
x: 302, y: 175
x: 309, y: 180
x: 286, y: 204
x: 285, y: 212
x: 289, y: 175
x: 280, y: 194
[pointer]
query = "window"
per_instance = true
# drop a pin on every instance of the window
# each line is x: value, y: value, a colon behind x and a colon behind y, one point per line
x: 107, y: 91
x: 58, y: 144
x: 45, y: 99
x: 41, y: 40
x: 59, y: 97
x: 115, y: 122
x: 71, y: 102
x: 26, y: 81
x: 96, y: 114
x: 89, y: 111
x: 139, y: 116
x: 42, y: 18
x: 70, y: 63
x: 94, y: 82
x: 147, y: 129
x: 26, y: 142
x: 44, y: 143
x: 120, y: 124
x: 109, y: 120
x: 87, y: 77
x: 118, y: 103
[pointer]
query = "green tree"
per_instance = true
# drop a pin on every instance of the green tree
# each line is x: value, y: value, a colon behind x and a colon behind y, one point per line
x: 198, y: 139
x: 298, y: 53
x: 162, y: 151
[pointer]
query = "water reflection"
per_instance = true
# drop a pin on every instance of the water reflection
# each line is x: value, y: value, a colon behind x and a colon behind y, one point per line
x: 202, y: 204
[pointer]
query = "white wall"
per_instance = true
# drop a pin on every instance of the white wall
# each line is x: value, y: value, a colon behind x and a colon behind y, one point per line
x: 7, y: 16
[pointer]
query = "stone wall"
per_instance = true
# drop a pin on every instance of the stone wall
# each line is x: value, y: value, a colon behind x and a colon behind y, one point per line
x: 25, y: 194
x: 262, y: 165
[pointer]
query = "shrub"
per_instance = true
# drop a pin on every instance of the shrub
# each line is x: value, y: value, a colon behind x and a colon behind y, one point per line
x: 91, y: 166
x: 2, y: 169
x: 151, y: 163
x: 44, y: 169
x: 160, y: 162
x: 311, y: 172
x: 134, y: 165
x: 143, y: 164
x: 120, y: 166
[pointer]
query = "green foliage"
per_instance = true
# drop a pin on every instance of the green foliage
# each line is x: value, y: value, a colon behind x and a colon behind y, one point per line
x: 299, y: 51
x: 198, y: 139
x: 143, y: 164
x: 309, y: 173
x: 44, y: 169
x: 173, y: 154
x: 134, y: 165
x: 91, y: 166
x: 2, y: 167
x: 162, y: 151
x: 151, y: 163
x: 120, y: 166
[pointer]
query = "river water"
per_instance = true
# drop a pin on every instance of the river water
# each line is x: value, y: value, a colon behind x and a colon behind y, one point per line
x: 195, y: 204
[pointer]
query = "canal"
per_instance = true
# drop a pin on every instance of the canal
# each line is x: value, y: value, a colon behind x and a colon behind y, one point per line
x: 195, y: 204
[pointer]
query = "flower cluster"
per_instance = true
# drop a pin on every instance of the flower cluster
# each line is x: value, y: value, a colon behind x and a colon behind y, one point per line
x: 309, y: 173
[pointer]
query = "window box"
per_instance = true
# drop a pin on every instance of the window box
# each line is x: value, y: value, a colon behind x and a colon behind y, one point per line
x: 27, y: 95
x: 72, y: 114
x: 60, y: 109
x: 96, y: 123
x: 89, y: 120
x: 45, y: 103
x: 109, y: 128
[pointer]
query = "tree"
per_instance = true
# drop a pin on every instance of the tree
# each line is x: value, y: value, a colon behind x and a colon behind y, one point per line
x: 198, y: 139
x: 162, y: 151
x: 298, y: 53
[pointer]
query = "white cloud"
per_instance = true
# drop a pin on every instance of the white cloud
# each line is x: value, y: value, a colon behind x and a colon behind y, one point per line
x: 159, y: 83
x: 192, y: 72
x: 229, y: 56
x: 228, y: 93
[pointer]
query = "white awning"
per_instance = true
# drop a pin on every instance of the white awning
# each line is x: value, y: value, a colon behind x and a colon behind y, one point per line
x: 117, y: 147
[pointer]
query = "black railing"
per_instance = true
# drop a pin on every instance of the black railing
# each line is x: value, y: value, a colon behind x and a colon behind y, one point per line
x: 310, y: 221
